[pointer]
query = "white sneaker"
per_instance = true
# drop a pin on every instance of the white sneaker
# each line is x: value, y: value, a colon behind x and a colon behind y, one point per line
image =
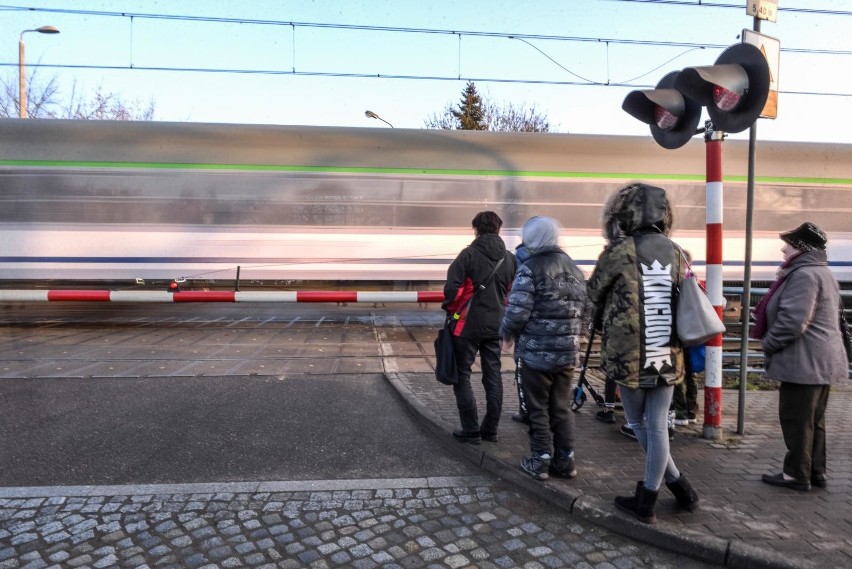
x: 681, y: 422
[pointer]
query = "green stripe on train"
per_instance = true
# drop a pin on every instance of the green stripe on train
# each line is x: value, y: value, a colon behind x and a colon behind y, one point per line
x: 409, y: 171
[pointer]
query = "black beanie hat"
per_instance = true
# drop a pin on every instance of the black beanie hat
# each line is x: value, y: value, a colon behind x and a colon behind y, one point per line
x: 806, y: 237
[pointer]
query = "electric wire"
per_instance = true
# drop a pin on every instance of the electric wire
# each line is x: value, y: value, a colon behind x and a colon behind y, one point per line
x: 350, y: 75
x: 525, y: 38
x: 405, y: 29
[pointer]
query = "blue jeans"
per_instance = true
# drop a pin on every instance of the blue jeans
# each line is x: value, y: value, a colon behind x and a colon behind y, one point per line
x: 489, y: 358
x: 646, y: 411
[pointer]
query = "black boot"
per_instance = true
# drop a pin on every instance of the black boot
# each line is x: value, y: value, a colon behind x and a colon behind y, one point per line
x: 684, y: 494
x: 640, y: 505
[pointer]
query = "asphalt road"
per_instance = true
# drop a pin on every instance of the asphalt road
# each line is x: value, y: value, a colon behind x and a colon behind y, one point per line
x: 202, y: 429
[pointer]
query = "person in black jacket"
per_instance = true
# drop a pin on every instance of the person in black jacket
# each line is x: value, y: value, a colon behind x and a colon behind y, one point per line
x: 544, y: 316
x: 475, y: 297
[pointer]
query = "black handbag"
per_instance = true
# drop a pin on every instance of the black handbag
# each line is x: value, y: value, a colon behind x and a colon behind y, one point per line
x: 446, y: 371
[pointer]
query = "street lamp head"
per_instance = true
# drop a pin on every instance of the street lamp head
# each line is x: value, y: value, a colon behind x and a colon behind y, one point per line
x: 41, y: 30
x: 372, y: 115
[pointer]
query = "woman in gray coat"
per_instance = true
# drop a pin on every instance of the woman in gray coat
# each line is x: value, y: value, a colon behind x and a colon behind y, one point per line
x: 798, y: 324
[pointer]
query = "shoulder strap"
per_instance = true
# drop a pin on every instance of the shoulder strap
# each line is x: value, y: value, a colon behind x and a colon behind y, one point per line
x: 487, y: 281
x: 483, y: 285
x: 681, y: 261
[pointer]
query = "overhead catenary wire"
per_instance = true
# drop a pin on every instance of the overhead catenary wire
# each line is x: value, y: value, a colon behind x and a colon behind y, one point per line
x: 525, y: 38
x: 349, y: 75
x: 436, y: 31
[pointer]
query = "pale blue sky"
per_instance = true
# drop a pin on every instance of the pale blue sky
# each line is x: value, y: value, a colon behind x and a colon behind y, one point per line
x: 282, y: 97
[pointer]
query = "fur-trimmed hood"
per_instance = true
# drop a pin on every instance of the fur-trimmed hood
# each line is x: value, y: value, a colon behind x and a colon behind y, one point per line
x: 636, y: 208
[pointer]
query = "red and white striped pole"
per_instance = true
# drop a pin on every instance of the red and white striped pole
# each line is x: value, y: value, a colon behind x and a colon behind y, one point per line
x: 343, y: 297
x: 713, y: 278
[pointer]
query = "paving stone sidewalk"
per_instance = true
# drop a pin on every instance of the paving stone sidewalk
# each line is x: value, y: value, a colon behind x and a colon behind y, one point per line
x: 742, y: 521
x: 446, y: 522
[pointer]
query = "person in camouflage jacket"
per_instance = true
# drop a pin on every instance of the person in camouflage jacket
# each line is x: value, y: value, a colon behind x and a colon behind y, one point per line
x: 636, y: 229
x: 634, y: 289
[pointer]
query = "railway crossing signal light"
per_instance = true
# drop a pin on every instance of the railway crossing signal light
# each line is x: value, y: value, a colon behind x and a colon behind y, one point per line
x: 673, y: 117
x: 734, y: 90
x: 174, y: 286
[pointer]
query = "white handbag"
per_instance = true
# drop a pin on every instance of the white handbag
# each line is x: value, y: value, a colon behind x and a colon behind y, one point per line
x: 696, y: 320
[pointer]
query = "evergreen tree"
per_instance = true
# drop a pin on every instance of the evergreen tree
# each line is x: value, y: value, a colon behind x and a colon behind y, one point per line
x: 480, y: 113
x: 470, y: 114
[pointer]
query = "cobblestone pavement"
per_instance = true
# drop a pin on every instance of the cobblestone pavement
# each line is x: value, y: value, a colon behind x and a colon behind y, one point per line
x: 742, y: 522
x: 435, y: 522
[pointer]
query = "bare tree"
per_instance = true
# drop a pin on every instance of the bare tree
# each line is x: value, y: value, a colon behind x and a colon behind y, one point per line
x: 106, y: 106
x: 443, y: 120
x: 43, y: 101
x: 511, y: 118
x: 40, y: 98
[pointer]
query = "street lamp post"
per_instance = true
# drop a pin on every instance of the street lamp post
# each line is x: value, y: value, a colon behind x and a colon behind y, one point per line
x: 372, y: 115
x: 22, y: 78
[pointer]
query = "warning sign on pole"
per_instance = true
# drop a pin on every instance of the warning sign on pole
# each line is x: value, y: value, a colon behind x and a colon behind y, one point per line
x: 771, y: 49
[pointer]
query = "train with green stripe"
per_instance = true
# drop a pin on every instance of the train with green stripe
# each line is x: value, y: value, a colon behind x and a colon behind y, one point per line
x: 135, y: 203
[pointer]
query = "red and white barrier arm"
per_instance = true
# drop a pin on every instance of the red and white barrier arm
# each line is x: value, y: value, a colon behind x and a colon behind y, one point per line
x: 217, y: 296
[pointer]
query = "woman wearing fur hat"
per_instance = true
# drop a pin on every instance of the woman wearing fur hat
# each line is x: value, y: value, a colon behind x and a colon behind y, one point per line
x: 634, y: 285
x: 798, y: 325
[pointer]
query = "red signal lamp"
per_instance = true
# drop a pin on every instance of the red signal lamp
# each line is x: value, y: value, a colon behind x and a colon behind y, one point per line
x: 664, y: 119
x: 672, y: 117
x: 724, y: 99
x: 734, y: 90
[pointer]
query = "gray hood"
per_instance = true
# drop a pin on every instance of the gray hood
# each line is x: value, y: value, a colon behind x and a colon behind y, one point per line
x: 540, y: 232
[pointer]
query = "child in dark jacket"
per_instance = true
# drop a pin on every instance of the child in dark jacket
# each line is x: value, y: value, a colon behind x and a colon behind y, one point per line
x: 544, y: 316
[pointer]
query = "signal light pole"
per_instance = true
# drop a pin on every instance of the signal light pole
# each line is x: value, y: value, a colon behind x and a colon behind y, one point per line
x: 713, y: 281
x: 734, y: 90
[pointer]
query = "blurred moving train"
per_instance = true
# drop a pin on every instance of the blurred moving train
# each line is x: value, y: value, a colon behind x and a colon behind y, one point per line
x: 125, y: 203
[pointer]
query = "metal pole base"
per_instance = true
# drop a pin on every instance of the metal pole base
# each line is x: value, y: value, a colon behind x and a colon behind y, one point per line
x: 712, y: 433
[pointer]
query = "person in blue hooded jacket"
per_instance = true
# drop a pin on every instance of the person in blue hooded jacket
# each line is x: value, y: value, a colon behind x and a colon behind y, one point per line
x: 544, y: 318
